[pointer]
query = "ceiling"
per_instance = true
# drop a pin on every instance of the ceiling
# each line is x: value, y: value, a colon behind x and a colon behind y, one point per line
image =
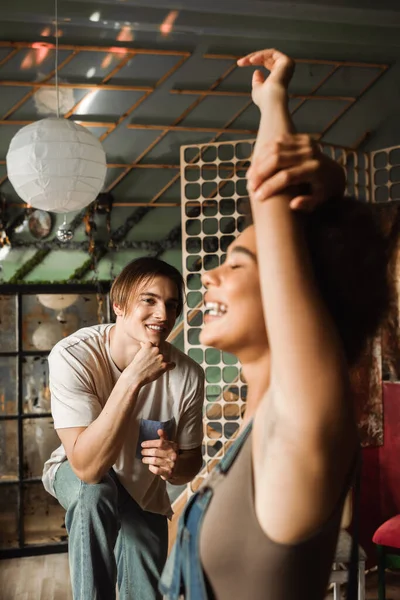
x: 361, y: 22
x: 150, y: 76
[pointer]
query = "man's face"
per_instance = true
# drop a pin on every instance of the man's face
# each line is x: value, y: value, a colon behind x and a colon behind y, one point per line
x: 152, y: 312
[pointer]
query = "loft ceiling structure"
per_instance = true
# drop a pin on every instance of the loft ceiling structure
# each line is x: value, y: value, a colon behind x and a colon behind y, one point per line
x: 18, y: 52
x: 148, y: 77
x: 226, y: 18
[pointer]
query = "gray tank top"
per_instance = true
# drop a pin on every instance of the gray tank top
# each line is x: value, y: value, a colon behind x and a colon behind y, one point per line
x: 240, y: 562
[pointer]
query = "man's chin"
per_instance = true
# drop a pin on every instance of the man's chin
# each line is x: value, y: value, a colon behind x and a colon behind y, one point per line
x: 157, y: 338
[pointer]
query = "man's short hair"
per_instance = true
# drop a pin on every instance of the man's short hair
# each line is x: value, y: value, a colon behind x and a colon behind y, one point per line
x: 139, y: 271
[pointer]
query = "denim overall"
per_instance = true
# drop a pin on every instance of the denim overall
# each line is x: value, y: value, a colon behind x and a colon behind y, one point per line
x: 183, y: 573
x: 183, y: 576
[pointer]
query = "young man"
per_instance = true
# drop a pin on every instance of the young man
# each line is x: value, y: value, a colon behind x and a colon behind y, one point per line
x: 127, y: 407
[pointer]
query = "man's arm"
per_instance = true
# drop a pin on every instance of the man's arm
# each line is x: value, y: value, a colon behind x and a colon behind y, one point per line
x: 93, y: 450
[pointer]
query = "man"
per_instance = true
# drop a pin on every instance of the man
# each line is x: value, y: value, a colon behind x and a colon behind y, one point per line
x: 127, y: 407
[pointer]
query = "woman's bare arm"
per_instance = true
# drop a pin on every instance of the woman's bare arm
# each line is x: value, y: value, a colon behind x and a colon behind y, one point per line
x: 307, y: 357
x: 300, y: 472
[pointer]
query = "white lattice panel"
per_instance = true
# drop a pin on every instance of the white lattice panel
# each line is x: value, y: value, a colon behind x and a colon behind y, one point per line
x: 357, y: 167
x: 214, y: 205
x: 385, y: 171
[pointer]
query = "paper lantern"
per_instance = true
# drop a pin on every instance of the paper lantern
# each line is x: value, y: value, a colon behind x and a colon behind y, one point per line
x: 56, y: 165
x: 57, y: 301
x: 48, y: 334
x: 47, y: 100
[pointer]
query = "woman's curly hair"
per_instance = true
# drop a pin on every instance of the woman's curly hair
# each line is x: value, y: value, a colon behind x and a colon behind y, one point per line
x: 350, y: 253
x: 351, y: 243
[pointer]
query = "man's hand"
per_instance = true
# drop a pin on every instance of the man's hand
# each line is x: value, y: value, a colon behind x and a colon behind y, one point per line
x: 161, y: 455
x: 148, y: 365
x: 293, y: 160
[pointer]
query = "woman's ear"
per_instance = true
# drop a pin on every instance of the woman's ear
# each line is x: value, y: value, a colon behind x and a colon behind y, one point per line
x: 118, y: 310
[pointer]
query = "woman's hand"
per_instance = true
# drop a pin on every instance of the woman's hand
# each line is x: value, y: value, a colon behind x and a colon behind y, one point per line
x: 283, y: 161
x: 295, y: 160
x: 280, y: 66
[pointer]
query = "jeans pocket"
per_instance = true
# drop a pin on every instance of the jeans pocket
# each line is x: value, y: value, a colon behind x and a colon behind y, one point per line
x: 148, y: 431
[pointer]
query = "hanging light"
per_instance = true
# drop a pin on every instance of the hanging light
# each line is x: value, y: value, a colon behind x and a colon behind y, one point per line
x: 64, y: 232
x: 55, y: 164
x: 58, y: 302
x: 48, y: 334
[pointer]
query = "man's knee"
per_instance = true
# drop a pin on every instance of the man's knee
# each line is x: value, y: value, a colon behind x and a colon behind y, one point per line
x: 71, y: 492
x: 95, y: 509
x: 101, y: 497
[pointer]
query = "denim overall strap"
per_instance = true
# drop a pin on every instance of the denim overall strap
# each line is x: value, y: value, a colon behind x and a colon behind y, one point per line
x: 226, y: 462
x: 183, y: 574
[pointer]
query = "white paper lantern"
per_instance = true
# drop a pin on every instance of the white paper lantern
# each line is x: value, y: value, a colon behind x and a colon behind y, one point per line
x: 48, y: 334
x: 57, y: 301
x: 47, y: 101
x: 56, y: 165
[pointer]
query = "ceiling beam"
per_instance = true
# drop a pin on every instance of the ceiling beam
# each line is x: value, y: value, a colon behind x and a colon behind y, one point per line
x: 311, y: 61
x: 190, y: 128
x: 80, y: 48
x: 24, y: 99
x: 82, y: 86
x: 346, y: 108
x: 176, y: 122
x: 134, y: 106
x: 233, y: 93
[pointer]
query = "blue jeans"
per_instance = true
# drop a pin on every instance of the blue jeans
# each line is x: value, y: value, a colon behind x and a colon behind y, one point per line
x: 110, y: 538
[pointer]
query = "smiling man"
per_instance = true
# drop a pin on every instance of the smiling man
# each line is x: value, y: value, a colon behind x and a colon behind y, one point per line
x: 127, y: 407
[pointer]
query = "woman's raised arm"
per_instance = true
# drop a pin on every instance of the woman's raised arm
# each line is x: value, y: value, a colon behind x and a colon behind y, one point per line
x: 304, y: 440
x: 306, y: 354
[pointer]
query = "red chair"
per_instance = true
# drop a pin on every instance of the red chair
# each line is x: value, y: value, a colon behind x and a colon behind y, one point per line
x: 387, y: 540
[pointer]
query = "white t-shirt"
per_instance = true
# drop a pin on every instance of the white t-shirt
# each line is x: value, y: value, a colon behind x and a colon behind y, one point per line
x: 82, y: 376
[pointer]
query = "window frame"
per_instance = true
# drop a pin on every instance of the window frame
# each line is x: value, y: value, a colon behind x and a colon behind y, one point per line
x: 20, y: 290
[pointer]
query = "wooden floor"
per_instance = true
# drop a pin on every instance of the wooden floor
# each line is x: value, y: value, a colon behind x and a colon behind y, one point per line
x: 35, y: 578
x: 47, y: 578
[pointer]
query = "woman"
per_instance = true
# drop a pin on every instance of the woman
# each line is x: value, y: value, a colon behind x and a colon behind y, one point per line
x: 290, y: 302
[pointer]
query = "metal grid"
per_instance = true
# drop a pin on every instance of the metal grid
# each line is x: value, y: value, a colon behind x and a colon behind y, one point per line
x: 23, y: 488
x: 214, y: 204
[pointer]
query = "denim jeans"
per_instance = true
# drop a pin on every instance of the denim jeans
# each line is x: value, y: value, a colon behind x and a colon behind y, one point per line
x: 110, y: 538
